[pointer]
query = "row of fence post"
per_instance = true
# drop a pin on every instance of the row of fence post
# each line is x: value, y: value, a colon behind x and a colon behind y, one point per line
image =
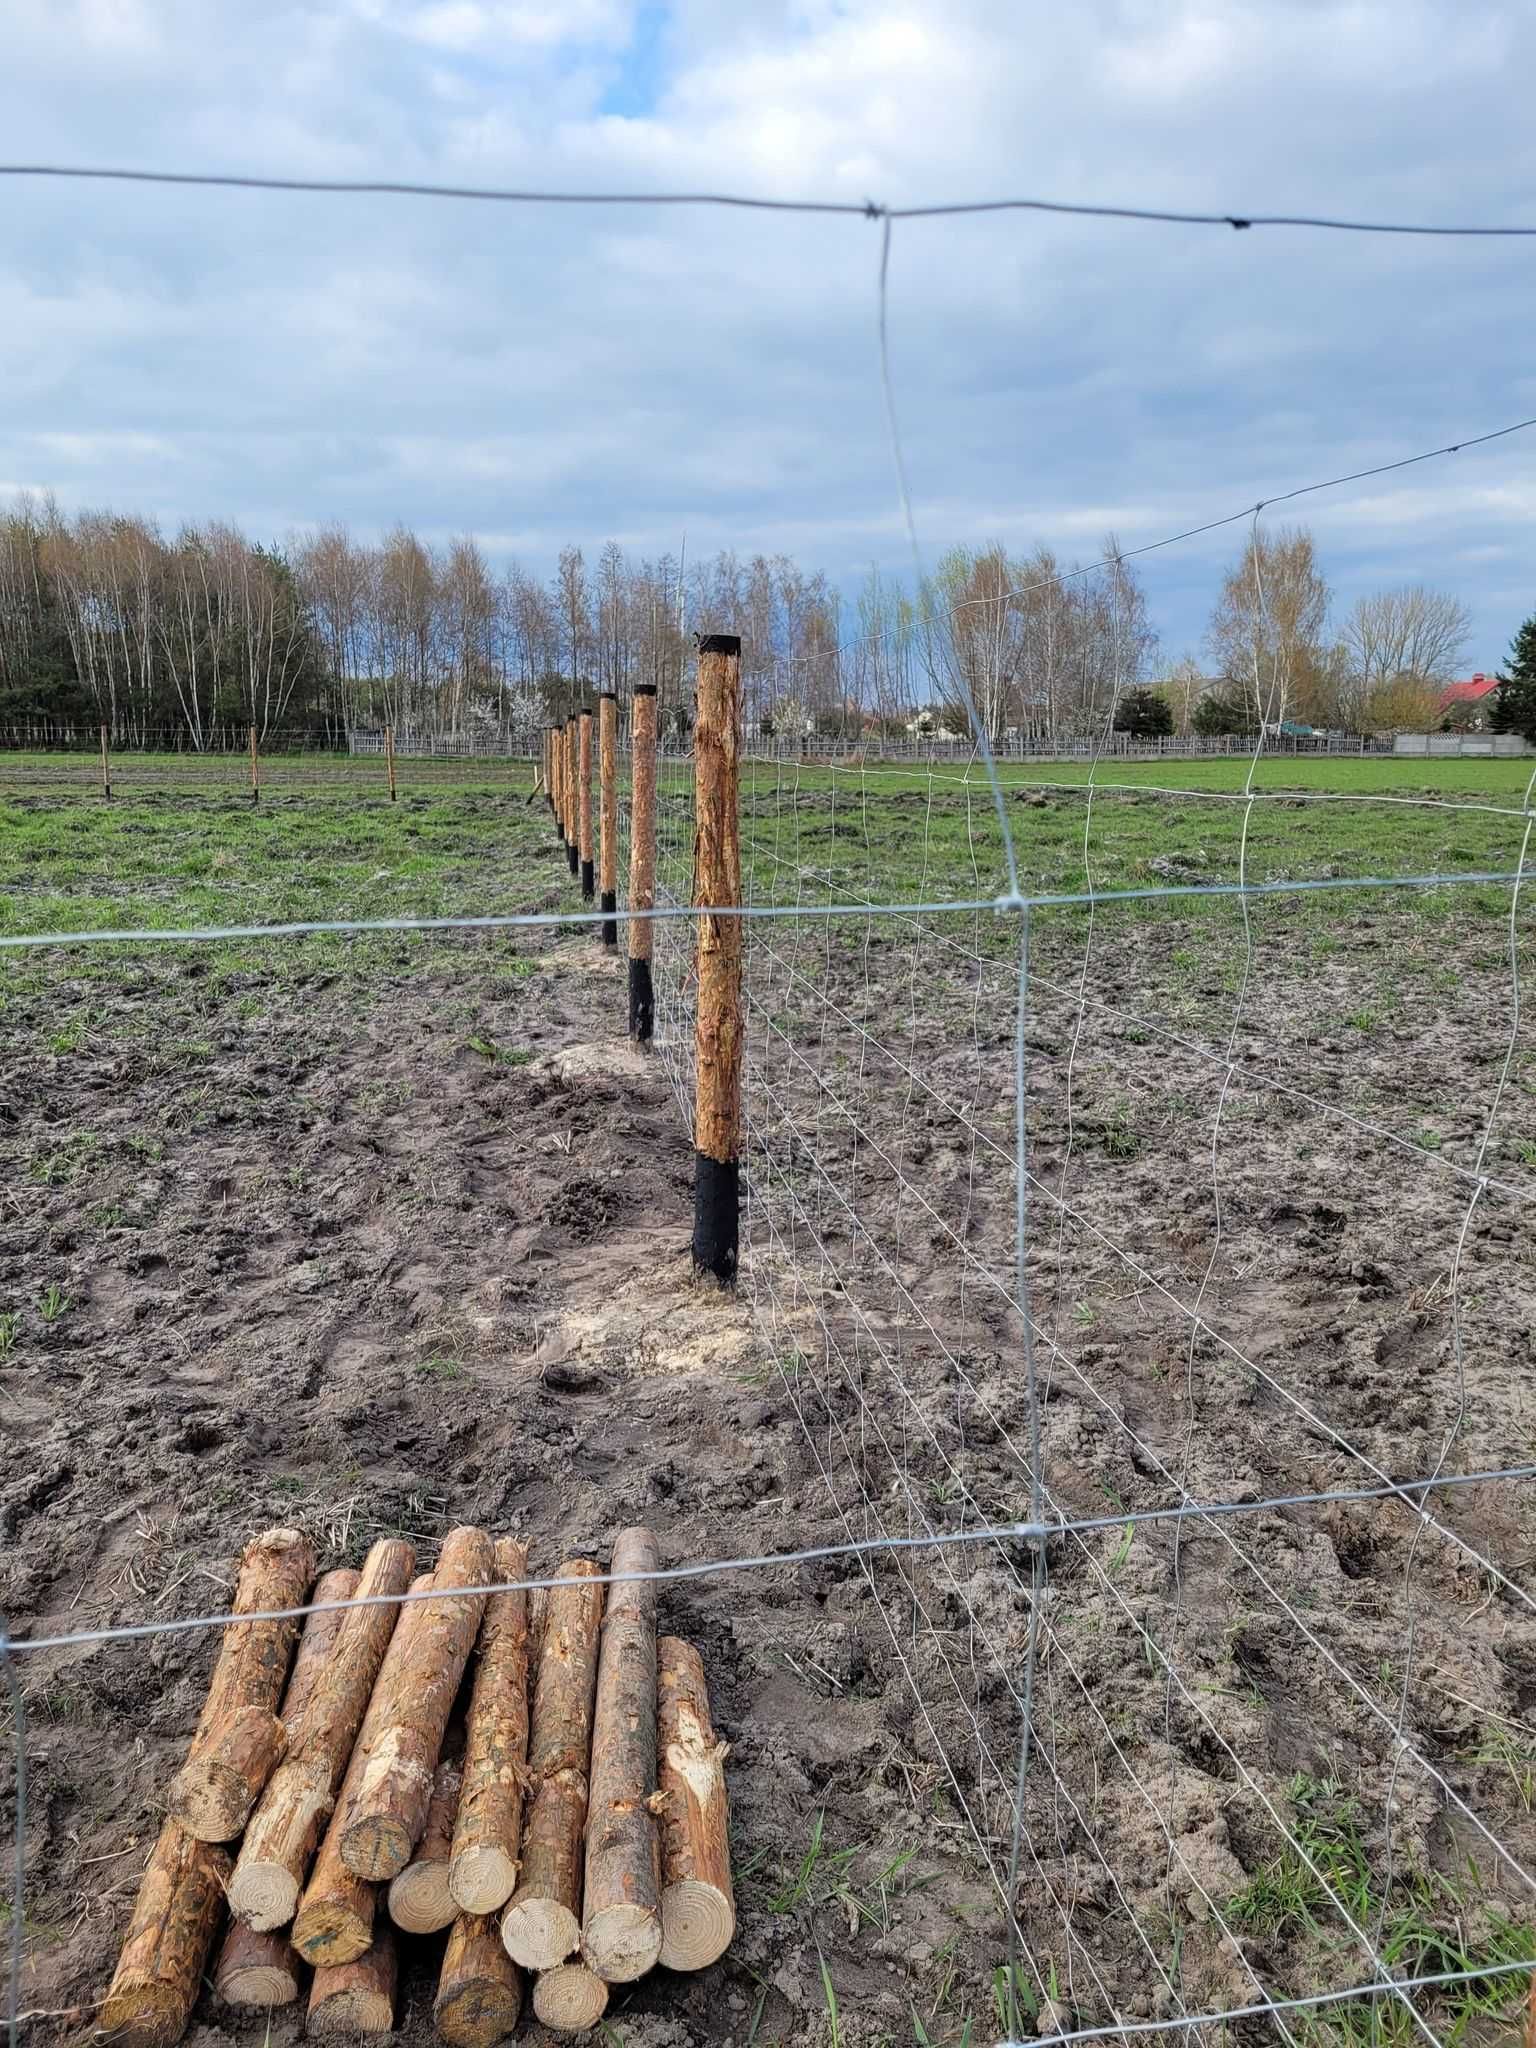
x: 106, y: 766
x: 567, y: 774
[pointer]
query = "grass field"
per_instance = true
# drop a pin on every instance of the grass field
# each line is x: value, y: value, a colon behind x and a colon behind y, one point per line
x: 70, y: 862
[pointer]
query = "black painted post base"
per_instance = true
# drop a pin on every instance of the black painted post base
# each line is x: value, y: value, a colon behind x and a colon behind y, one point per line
x: 588, y: 880
x: 611, y: 924
x: 716, y: 1217
x: 571, y: 855
x: 642, y: 1002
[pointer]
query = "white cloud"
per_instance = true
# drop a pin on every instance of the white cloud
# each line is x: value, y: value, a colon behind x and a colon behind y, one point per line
x: 576, y: 372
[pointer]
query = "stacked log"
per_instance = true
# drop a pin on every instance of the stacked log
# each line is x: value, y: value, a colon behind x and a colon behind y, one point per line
x: 356, y: 1997
x: 280, y: 1841
x: 621, y: 1913
x: 257, y: 1968
x: 480, y: 1990
x: 334, y: 1921
x: 698, y: 1910
x: 174, y: 1918
x: 488, y: 1831
x: 419, y: 1899
x: 383, y: 1807
x: 542, y: 1923
x: 582, y: 1837
x: 240, y: 1740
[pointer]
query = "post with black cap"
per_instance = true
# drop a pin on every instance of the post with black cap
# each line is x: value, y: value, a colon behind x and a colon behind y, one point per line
x: 642, y: 860
x: 588, y: 879
x: 718, y: 1035
x: 572, y: 748
x: 608, y: 815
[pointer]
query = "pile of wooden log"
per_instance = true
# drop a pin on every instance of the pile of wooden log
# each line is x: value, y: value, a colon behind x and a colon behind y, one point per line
x: 570, y: 1823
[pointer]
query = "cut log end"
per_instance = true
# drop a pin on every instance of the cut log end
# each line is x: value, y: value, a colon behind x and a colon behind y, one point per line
x: 539, y: 1933
x: 622, y: 1942
x: 570, y: 1998
x: 480, y: 1991
x: 256, y: 1970
x: 148, y: 2016
x: 482, y: 1878
x: 214, y: 1791
x: 697, y: 1909
x: 698, y: 1922
x: 264, y: 1895
x: 175, y: 1915
x: 358, y: 1998
x: 419, y: 1899
x: 376, y: 1847
x: 332, y: 1931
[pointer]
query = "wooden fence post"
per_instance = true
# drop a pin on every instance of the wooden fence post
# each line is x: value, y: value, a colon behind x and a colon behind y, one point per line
x: 572, y: 749
x: 106, y: 772
x: 588, y: 880
x: 389, y: 756
x: 608, y: 814
x: 557, y: 779
x: 255, y: 770
x: 642, y: 860
x: 718, y: 1035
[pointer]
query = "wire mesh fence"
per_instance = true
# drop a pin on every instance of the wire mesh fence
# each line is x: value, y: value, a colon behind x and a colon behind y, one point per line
x: 1144, y: 1260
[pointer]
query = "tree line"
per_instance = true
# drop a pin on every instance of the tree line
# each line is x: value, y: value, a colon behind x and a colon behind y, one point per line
x: 105, y: 619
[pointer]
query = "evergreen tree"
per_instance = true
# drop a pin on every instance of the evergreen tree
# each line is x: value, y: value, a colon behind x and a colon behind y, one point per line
x: 1223, y: 714
x: 1144, y: 714
x: 1514, y: 702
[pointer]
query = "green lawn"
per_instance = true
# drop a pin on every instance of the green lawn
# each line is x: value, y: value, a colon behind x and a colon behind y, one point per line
x: 70, y: 862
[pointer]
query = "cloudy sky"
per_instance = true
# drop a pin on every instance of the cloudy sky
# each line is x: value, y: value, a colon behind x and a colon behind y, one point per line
x: 538, y: 375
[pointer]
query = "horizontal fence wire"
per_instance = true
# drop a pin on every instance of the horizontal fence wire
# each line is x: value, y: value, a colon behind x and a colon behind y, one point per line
x: 1104, y: 899
x: 920, y: 1331
x: 1404, y: 1490
x: 866, y: 209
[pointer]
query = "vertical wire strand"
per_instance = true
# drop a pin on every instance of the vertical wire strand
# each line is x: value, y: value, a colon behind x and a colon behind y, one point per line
x: 1458, y: 1355
x: 19, y: 1865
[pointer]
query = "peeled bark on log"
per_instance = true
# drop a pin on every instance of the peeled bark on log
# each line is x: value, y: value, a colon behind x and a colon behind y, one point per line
x: 569, y: 1998
x: 480, y: 1991
x: 175, y: 1915
x: 280, y: 1840
x: 383, y: 1804
x: 621, y: 1924
x: 718, y: 1012
x: 356, y: 1997
x: 230, y: 1760
x: 698, y: 1911
x: 419, y: 1899
x: 235, y: 1760
x: 334, y: 1922
x: 542, y: 1923
x: 259, y: 1970
x: 318, y: 1640
x: 488, y: 1832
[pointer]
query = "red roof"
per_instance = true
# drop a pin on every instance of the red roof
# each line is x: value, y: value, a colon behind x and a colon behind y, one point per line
x: 1471, y: 692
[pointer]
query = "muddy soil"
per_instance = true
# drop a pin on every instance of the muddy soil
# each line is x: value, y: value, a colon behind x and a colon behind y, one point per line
x: 1238, y: 1294
x: 382, y: 1257
x: 298, y: 1252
